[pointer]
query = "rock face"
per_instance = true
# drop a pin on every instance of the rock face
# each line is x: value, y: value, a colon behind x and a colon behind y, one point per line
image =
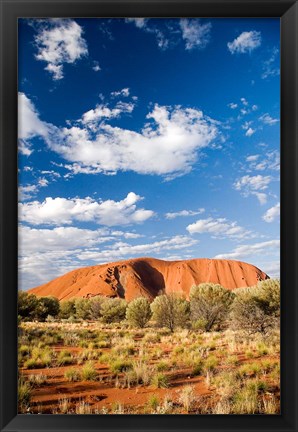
x: 148, y: 276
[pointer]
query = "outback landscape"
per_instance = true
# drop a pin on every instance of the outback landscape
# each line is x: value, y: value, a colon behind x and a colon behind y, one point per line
x: 149, y: 216
x: 147, y: 336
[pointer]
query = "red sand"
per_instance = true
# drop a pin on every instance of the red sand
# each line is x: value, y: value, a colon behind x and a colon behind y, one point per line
x: 148, y: 276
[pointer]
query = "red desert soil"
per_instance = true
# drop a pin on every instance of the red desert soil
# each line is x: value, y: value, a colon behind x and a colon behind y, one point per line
x: 148, y: 276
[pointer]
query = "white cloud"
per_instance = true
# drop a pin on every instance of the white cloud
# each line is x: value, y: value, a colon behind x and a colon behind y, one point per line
x: 244, y: 101
x: 272, y: 213
x: 257, y: 182
x: 219, y: 228
x: 29, y: 124
x: 96, y: 66
x: 139, y: 22
x: 184, y: 213
x: 233, y: 105
x: 250, y: 132
x: 175, y: 134
x: 120, y: 249
x: 60, y: 211
x: 59, y: 41
x: 103, y: 111
x: 124, y: 92
x: 252, y: 185
x: 195, y: 34
x: 252, y: 158
x: 27, y: 191
x: 262, y: 197
x: 271, y: 161
x: 245, y: 42
x: 268, y: 120
x: 240, y: 252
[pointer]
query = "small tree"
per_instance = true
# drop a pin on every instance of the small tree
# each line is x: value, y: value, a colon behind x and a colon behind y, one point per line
x: 82, y: 306
x: 256, y: 309
x: 138, y: 312
x: 170, y: 310
x: 268, y: 295
x: 27, y: 305
x: 209, y: 305
x: 67, y: 309
x: 113, y: 310
x: 47, y: 306
x: 95, y: 306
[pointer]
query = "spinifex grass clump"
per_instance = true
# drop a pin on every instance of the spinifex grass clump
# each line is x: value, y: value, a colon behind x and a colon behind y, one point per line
x: 88, y: 372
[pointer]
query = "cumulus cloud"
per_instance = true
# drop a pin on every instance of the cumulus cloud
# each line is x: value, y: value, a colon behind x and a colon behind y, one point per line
x: 219, y: 228
x: 268, y: 120
x: 272, y: 213
x: 59, y: 41
x: 29, y: 124
x: 194, y: 33
x: 233, y: 105
x: 184, y: 213
x: 245, y: 42
x: 270, y: 247
x: 63, y: 211
x: 175, y: 134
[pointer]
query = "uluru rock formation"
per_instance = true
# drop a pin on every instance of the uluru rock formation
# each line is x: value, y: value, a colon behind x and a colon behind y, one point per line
x: 148, y: 276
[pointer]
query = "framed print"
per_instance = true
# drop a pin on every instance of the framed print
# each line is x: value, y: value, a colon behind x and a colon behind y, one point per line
x: 148, y: 209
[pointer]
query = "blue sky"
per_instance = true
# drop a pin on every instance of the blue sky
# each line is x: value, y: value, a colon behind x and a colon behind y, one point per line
x: 147, y: 137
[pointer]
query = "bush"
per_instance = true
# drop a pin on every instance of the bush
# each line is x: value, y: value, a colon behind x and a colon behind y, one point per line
x: 27, y: 305
x: 256, y: 309
x: 209, y: 305
x: 113, y: 310
x: 67, y: 309
x: 82, y: 307
x: 120, y: 366
x: 160, y: 380
x: 89, y: 372
x: 138, y: 312
x: 72, y: 375
x: 171, y: 311
x: 64, y: 358
x: 47, y: 306
x: 95, y: 306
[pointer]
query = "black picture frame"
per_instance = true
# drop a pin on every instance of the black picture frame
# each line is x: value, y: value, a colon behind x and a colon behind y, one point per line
x: 287, y: 11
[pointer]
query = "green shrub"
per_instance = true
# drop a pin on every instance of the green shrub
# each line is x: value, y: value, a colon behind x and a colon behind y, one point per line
x: 113, y: 310
x: 24, y: 394
x: 209, y: 305
x: 64, y: 358
x: 72, y: 375
x: 160, y: 380
x: 88, y: 372
x: 138, y: 312
x: 170, y: 311
x: 120, y: 366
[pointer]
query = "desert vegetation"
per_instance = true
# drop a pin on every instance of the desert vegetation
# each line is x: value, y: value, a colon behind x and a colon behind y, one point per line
x: 216, y: 353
